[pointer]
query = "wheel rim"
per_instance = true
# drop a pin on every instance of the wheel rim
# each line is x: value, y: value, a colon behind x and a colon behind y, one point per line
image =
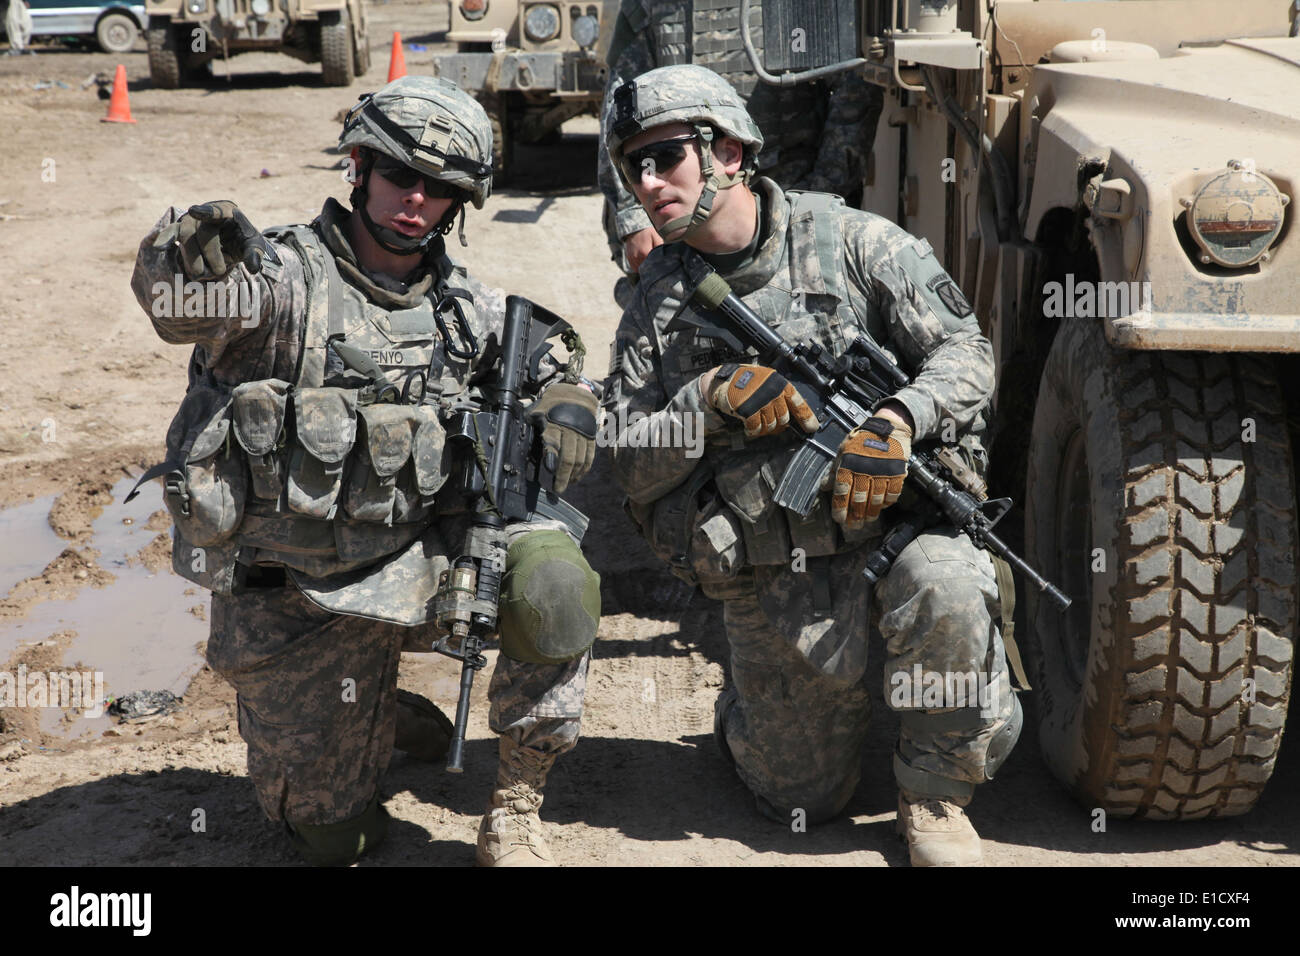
x: 118, y: 36
x: 1073, y: 552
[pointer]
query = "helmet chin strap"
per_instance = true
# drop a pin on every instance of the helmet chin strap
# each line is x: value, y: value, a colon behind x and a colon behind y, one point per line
x: 713, y: 181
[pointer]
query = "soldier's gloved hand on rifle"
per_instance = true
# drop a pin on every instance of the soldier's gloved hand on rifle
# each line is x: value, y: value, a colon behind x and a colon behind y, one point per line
x: 758, y: 396
x: 566, y: 414
x: 214, y: 237
x: 870, y: 469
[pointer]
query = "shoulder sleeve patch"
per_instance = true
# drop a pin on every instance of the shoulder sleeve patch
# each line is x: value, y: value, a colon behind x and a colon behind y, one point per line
x: 933, y: 283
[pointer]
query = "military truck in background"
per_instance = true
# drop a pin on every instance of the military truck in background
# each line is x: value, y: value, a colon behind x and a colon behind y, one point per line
x: 185, y: 36
x: 1110, y: 183
x: 532, y: 65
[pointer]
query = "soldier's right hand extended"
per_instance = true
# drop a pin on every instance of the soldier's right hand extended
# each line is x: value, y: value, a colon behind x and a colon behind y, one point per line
x: 214, y: 237
x: 758, y: 396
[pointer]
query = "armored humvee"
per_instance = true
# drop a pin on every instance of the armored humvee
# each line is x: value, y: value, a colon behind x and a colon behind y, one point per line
x: 186, y: 35
x: 532, y: 65
x: 1110, y: 183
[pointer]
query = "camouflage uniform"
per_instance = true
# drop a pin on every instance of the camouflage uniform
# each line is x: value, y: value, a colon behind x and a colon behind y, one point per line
x: 324, y: 555
x: 817, y: 136
x: 798, y: 647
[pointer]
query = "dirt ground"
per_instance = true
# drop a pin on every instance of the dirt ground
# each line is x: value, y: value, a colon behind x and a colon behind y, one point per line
x: 86, y: 390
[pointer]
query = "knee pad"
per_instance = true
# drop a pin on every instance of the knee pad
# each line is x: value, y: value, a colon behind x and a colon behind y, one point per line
x: 550, y: 600
x: 1004, y: 741
x: 342, y: 843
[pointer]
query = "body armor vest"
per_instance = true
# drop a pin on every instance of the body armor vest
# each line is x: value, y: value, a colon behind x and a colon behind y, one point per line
x: 707, y: 33
x: 805, y: 297
x: 315, y: 474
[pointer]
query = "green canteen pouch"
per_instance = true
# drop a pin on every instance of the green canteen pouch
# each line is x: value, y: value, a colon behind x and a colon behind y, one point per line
x: 325, y: 422
x: 205, y: 493
x: 259, y: 409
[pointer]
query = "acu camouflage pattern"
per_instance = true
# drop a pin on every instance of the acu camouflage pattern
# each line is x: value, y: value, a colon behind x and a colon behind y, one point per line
x: 409, y: 102
x: 313, y: 757
x: 796, y: 733
x: 298, y: 511
x: 825, y: 272
x: 817, y: 136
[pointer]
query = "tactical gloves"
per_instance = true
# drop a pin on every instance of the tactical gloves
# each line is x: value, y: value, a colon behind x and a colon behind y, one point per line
x: 870, y: 471
x: 758, y: 396
x: 566, y: 414
x: 214, y: 237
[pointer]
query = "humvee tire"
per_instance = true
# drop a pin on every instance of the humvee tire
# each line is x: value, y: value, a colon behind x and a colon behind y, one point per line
x: 336, y: 48
x: 164, y: 53
x: 362, y: 46
x: 1161, y: 496
x: 497, y: 106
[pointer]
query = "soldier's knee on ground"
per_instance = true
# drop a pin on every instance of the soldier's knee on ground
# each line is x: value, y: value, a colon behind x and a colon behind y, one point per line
x: 550, y: 600
x: 966, y: 723
x: 817, y: 799
x: 341, y: 843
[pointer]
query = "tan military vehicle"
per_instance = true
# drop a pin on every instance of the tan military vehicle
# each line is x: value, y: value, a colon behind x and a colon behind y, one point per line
x: 185, y: 36
x: 532, y: 65
x: 1111, y: 184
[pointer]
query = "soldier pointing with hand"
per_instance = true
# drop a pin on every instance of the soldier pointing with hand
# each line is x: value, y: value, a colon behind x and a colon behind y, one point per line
x: 308, y: 477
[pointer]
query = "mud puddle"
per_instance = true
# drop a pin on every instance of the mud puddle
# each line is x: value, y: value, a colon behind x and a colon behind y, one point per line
x: 141, y: 632
x: 30, y: 544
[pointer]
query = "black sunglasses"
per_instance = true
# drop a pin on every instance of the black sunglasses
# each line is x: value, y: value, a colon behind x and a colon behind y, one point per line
x: 404, y: 177
x: 658, y: 158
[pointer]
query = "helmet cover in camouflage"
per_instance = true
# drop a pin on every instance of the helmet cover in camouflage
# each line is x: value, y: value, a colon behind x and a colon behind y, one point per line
x: 678, y: 94
x: 429, y: 124
x: 693, y: 95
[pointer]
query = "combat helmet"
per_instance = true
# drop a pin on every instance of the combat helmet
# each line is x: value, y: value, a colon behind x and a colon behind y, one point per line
x: 431, y: 125
x: 685, y: 94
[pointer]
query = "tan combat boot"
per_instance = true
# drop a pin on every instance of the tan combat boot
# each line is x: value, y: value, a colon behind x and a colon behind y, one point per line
x: 938, y: 832
x: 511, y: 831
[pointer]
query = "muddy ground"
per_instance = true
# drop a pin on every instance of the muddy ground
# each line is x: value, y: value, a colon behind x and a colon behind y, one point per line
x: 86, y: 390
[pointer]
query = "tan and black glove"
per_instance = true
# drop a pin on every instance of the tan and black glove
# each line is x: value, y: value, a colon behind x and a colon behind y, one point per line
x: 758, y: 396
x: 870, y: 471
x: 214, y: 237
x: 566, y: 416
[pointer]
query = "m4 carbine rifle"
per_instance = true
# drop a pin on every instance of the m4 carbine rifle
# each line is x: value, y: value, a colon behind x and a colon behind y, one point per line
x: 843, y: 393
x: 505, y: 478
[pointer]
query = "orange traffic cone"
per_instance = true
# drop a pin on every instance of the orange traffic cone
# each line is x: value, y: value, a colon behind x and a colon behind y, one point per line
x: 397, y: 59
x: 119, y: 107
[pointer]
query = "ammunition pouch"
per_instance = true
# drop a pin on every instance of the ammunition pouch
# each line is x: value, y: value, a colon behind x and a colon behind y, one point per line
x: 693, y: 530
x: 205, y: 486
x: 747, y: 481
x: 312, y: 478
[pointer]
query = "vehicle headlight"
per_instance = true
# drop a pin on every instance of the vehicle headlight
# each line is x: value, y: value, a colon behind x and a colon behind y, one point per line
x: 196, y: 6
x: 542, y: 23
x: 585, y: 30
x: 261, y: 7
x: 1236, y: 216
x: 473, y: 9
